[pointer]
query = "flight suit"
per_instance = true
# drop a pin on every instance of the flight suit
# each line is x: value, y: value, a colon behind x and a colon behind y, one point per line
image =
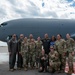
x: 20, y: 59
x: 13, y: 48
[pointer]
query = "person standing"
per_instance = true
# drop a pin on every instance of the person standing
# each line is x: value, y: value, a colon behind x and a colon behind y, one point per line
x: 13, y: 48
x: 32, y: 53
x: 60, y: 47
x: 46, y: 43
x: 25, y: 53
x: 30, y: 37
x: 52, y: 41
x: 38, y: 51
x: 20, y: 59
x: 70, y: 45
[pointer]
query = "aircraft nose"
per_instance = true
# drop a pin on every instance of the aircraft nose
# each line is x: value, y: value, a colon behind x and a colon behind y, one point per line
x: 3, y: 24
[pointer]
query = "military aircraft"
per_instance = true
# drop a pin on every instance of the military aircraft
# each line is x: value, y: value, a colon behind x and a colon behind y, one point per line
x: 37, y: 27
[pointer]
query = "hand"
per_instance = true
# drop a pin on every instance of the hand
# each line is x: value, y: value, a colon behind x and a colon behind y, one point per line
x: 51, y: 63
x: 10, y: 53
x: 19, y: 52
x: 73, y: 53
x: 42, y: 58
x: 64, y: 54
x: 40, y: 68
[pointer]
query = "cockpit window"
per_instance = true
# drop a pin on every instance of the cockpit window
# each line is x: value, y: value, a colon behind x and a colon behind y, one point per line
x: 3, y: 24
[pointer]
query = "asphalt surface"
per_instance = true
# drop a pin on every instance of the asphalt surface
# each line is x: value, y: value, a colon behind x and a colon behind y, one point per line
x: 4, y: 66
x: 4, y: 71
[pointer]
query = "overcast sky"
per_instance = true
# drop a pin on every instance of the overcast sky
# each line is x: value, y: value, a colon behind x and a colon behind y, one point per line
x: 13, y: 9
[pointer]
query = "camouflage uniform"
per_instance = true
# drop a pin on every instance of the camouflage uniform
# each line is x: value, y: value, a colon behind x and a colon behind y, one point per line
x: 70, y: 62
x: 32, y: 53
x: 25, y: 53
x: 70, y: 49
x: 60, y: 46
x: 29, y: 40
x: 38, y: 51
x: 54, y: 61
x: 70, y: 45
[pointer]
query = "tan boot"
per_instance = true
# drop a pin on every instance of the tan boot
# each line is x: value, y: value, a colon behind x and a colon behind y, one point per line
x: 18, y: 68
x: 25, y: 69
x: 11, y: 70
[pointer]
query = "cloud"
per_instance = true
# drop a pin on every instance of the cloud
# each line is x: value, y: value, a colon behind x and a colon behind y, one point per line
x: 59, y: 9
x: 13, y: 2
x: 2, y: 13
x: 69, y: 0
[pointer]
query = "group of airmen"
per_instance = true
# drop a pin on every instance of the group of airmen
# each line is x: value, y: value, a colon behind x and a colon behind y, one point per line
x: 47, y: 54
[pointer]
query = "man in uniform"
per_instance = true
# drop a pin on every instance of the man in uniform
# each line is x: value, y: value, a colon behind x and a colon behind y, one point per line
x: 12, y: 45
x: 60, y: 47
x: 38, y: 50
x: 54, y: 61
x: 30, y: 37
x: 20, y: 59
x: 43, y: 61
x: 46, y: 43
x: 25, y: 53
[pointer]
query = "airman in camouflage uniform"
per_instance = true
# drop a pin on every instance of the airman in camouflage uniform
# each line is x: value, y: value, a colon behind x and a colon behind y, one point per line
x: 70, y: 62
x: 25, y: 53
x: 69, y: 44
x: 54, y: 61
x: 60, y: 47
x: 38, y: 50
x: 30, y: 37
x: 32, y: 54
x: 70, y: 50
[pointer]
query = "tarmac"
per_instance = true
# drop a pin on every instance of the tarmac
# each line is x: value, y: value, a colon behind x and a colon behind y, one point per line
x: 4, y: 66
